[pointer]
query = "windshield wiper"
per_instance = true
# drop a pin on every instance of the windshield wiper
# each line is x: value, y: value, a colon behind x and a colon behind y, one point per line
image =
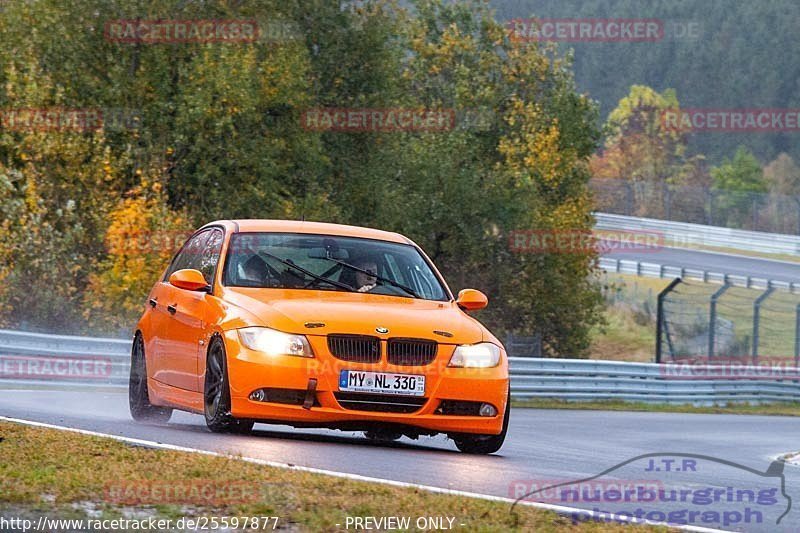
x: 409, y: 290
x: 291, y: 264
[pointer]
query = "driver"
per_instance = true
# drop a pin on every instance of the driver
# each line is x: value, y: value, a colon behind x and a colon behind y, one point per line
x: 365, y: 282
x: 254, y: 270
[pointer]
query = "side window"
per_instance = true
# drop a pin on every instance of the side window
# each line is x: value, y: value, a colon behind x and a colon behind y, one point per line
x: 209, y: 257
x: 191, y: 253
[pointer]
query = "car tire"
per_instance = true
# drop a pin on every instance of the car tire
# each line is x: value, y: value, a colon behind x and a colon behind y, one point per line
x: 138, y: 393
x: 217, y: 393
x: 484, y: 444
x: 382, y: 436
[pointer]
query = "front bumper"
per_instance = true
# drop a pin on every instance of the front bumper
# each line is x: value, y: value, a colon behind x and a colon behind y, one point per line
x: 249, y: 370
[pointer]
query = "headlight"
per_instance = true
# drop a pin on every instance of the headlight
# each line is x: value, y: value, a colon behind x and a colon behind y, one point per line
x: 481, y: 355
x: 273, y: 342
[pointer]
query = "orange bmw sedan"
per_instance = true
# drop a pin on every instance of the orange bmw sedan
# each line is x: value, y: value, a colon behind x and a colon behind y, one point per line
x: 317, y: 325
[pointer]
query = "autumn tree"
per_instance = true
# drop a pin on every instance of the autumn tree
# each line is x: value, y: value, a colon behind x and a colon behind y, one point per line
x: 56, y: 185
x: 143, y: 234
x: 515, y: 161
x: 645, y: 152
x: 219, y: 134
x: 739, y: 186
x: 782, y: 176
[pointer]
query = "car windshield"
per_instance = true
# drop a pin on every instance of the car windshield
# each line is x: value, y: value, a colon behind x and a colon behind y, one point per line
x: 325, y: 262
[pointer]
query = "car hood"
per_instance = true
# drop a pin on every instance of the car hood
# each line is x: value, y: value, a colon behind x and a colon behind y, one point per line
x: 355, y: 313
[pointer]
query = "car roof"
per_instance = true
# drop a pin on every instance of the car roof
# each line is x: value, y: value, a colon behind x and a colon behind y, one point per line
x: 320, y: 228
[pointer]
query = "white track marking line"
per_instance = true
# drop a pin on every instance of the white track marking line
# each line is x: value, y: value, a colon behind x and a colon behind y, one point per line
x: 560, y: 509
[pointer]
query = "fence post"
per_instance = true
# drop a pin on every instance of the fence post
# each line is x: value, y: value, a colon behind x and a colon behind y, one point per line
x: 756, y: 319
x: 537, y: 344
x: 797, y: 335
x: 660, y: 324
x: 797, y: 202
x: 712, y: 317
x: 628, y: 198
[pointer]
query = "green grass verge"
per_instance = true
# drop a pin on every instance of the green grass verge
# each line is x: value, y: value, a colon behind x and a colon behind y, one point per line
x: 787, y: 409
x: 629, y: 330
x: 736, y: 251
x: 69, y: 475
x: 622, y: 338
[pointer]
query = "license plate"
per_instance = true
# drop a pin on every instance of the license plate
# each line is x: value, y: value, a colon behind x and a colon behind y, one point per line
x: 381, y: 383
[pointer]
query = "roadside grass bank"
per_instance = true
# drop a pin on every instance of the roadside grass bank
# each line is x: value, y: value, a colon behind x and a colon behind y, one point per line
x: 776, y: 409
x: 62, y: 474
x: 630, y: 315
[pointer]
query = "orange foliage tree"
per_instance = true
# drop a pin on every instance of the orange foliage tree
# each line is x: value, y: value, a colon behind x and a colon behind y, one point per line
x: 142, y: 237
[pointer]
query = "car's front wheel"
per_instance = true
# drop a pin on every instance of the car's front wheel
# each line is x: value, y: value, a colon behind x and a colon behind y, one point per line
x: 217, y: 393
x: 138, y: 395
x: 484, y: 444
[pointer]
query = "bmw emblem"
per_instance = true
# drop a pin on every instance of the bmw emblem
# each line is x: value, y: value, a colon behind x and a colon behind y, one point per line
x: 381, y: 329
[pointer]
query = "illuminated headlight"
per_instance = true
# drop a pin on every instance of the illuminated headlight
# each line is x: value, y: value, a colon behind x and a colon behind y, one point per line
x: 273, y: 342
x: 481, y: 355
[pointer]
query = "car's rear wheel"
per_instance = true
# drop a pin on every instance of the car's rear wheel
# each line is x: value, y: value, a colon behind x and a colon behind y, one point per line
x: 217, y: 393
x: 138, y: 394
x: 484, y: 444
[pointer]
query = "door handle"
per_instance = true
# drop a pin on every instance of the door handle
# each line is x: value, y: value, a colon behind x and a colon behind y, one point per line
x: 153, y: 302
x: 172, y: 308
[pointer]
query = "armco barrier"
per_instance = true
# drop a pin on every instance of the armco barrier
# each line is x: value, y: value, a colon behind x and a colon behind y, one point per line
x: 15, y: 345
x: 657, y: 270
x: 531, y: 378
x: 686, y: 235
x: 579, y: 379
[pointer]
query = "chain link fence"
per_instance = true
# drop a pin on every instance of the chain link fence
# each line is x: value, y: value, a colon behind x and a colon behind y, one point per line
x: 725, y: 322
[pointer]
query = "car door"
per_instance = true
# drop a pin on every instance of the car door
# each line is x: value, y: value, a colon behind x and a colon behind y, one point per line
x: 181, y: 313
x: 161, y: 346
x: 189, y: 311
x: 158, y: 340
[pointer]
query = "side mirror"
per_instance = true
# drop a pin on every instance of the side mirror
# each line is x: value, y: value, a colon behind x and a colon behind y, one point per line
x: 189, y: 279
x: 471, y: 300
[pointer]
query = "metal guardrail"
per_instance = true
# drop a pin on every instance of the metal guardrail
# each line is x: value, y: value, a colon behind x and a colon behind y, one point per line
x: 531, y: 378
x: 657, y: 270
x: 23, y: 342
x: 686, y: 235
x: 588, y: 380
x: 52, y: 354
